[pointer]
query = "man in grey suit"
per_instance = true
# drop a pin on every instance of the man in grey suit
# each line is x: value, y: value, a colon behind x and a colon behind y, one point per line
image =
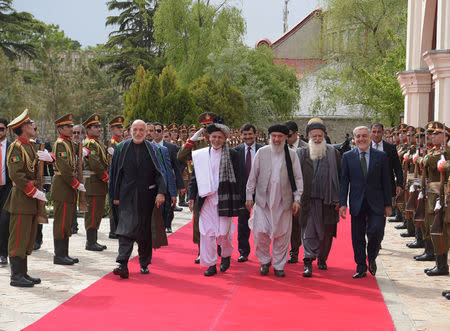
x: 245, y: 155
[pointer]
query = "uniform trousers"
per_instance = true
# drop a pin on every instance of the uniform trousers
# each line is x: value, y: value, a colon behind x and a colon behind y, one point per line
x: 96, y: 208
x: 22, y: 233
x: 64, y: 214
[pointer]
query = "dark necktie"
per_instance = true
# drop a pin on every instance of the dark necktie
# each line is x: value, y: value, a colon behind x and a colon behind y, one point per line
x: 248, y: 161
x: 364, y: 163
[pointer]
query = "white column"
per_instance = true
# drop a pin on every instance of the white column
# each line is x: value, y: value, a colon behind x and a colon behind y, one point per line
x: 443, y: 25
x: 416, y: 87
x: 439, y: 64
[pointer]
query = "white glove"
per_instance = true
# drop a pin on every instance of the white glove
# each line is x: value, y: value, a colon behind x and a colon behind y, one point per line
x: 85, y: 152
x: 44, y: 156
x: 441, y: 162
x: 39, y: 195
x: 110, y: 150
x: 411, y: 189
x: 437, y: 206
x: 81, y: 188
x: 197, y: 135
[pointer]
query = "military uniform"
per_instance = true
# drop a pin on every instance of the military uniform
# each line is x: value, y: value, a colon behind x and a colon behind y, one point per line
x: 113, y: 212
x: 96, y: 185
x: 185, y: 155
x: 64, y: 193
x: 22, y: 204
x: 184, y: 165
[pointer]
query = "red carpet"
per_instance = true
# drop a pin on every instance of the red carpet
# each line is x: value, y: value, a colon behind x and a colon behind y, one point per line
x: 176, y: 296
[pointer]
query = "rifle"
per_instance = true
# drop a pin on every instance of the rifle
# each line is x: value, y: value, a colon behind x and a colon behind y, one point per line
x: 82, y: 203
x: 42, y: 213
x: 419, y: 216
x: 414, y: 191
x: 403, y: 198
x: 438, y: 222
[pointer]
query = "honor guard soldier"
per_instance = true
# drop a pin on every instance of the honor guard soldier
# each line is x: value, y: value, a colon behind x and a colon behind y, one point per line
x: 97, y: 183
x: 22, y: 202
x: 183, y: 135
x: 116, y: 128
x: 185, y: 155
x: 173, y: 128
x: 184, y: 165
x: 64, y: 190
x: 436, y: 189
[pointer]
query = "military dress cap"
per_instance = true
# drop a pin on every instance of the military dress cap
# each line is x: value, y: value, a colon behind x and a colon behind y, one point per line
x: 20, y: 120
x: 165, y: 128
x: 402, y: 127
x: 394, y: 130
x: 183, y: 127
x: 93, y: 119
x: 420, y: 132
x: 410, y: 130
x: 387, y: 132
x: 206, y: 118
x: 117, y: 121
x: 438, y: 127
x: 192, y: 127
x: 173, y: 127
x: 64, y: 120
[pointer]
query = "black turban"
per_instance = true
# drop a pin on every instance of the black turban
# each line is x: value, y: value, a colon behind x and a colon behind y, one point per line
x: 279, y: 128
x: 315, y: 125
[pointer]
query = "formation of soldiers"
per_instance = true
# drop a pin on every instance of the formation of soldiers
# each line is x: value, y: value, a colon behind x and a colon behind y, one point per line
x: 423, y: 207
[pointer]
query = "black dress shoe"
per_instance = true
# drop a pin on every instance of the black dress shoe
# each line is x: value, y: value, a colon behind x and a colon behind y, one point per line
x: 447, y: 296
x: 360, y: 275
x: 373, y: 267
x: 197, y: 260
x: 279, y: 273
x: 32, y: 279
x: 424, y: 257
x: 322, y: 265
x: 225, y: 263
x: 293, y: 259
x: 62, y: 260
x: 3, y: 260
x: 400, y: 226
x: 406, y: 234
x: 112, y: 235
x: 144, y: 270
x: 211, y: 271
x: 176, y: 208
x: 122, y: 271
x: 74, y: 259
x: 37, y: 245
x: 183, y: 204
x: 168, y: 230
x: 264, y: 269
x: 242, y: 258
x: 445, y: 292
x: 416, y: 244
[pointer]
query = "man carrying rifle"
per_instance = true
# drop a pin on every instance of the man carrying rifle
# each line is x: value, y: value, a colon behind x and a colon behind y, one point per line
x: 65, y: 187
x: 439, y: 176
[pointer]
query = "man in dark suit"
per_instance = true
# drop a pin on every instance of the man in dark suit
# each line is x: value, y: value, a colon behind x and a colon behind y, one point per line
x: 5, y: 188
x: 245, y: 154
x: 365, y: 171
x: 173, y: 151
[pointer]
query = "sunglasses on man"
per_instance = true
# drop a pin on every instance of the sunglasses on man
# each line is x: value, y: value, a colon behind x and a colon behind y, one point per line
x: 158, y: 130
x: 76, y: 132
x: 2, y: 129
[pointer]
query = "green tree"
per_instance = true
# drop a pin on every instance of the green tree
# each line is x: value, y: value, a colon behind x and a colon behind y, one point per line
x: 187, y: 31
x: 132, y: 44
x: 364, y: 47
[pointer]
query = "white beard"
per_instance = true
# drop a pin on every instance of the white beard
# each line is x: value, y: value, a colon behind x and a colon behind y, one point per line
x: 317, y: 151
x: 277, y: 149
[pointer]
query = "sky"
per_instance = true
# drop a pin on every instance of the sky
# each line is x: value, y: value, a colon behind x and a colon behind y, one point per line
x: 84, y: 20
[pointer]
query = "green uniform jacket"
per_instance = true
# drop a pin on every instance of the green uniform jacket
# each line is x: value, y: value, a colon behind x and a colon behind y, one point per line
x: 22, y: 168
x: 65, y: 183
x: 97, y: 163
x: 185, y: 153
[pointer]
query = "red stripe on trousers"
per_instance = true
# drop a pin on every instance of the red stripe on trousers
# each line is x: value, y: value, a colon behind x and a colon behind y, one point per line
x: 64, y: 219
x: 93, y: 211
x: 18, y: 234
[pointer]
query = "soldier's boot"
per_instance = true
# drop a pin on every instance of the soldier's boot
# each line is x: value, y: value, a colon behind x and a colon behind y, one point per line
x: 418, y: 243
x: 428, y: 254
x: 402, y: 226
x: 91, y: 241
x: 28, y: 277
x: 112, y: 229
x: 66, y: 251
x: 398, y: 216
x: 96, y: 237
x: 410, y: 229
x: 18, y: 267
x: 307, y: 268
x: 445, y: 292
x: 441, y: 267
x: 60, y: 253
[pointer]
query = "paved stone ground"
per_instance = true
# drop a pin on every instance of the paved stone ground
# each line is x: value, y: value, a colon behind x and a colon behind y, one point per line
x: 414, y: 299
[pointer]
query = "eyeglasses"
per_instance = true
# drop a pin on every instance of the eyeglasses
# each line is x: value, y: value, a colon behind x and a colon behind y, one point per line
x: 76, y: 132
x: 2, y: 129
x: 158, y: 130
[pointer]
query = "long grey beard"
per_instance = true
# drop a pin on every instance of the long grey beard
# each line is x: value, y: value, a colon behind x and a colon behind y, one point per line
x: 317, y: 151
x: 277, y: 149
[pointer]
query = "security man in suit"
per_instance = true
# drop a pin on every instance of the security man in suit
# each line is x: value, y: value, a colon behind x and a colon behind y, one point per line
x: 64, y: 190
x: 22, y: 202
x: 185, y: 155
x: 96, y: 162
x: 116, y: 128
